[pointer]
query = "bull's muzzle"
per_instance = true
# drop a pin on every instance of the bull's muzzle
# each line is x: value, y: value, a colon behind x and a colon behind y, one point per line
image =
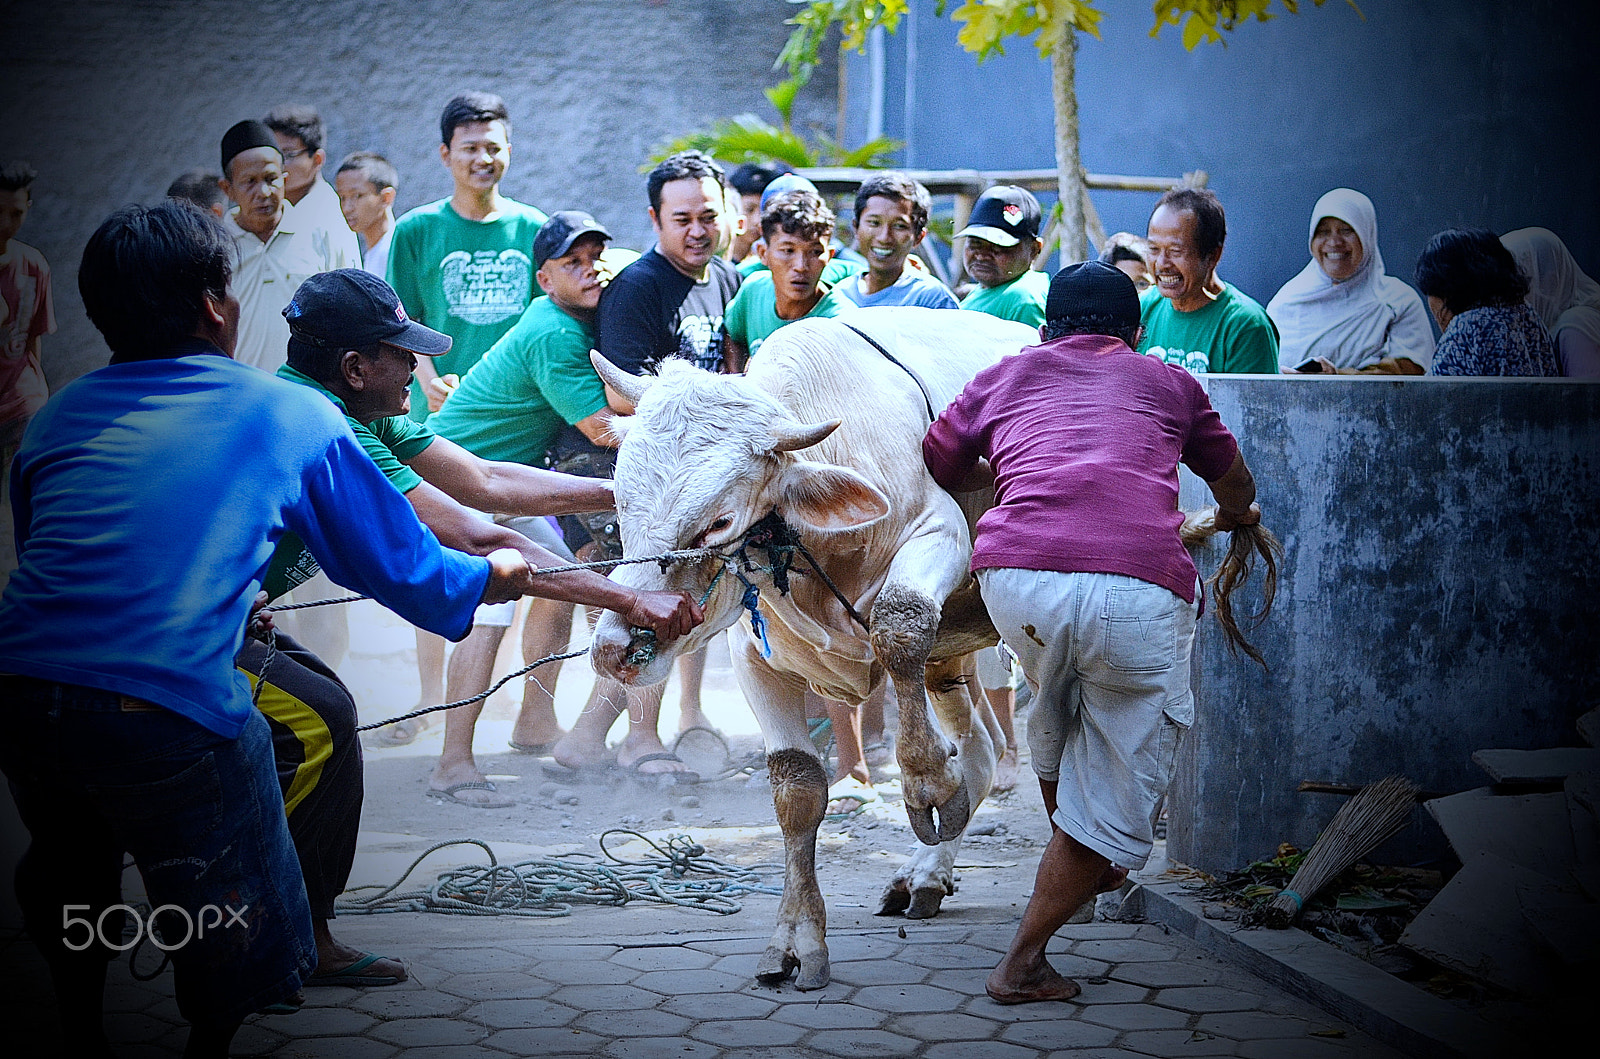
x: 953, y: 817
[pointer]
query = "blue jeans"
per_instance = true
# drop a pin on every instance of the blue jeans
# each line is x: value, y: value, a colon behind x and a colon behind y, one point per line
x: 94, y: 774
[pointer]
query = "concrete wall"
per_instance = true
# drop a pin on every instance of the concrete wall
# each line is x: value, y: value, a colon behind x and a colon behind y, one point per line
x: 1438, y: 597
x: 1444, y: 112
x: 110, y: 99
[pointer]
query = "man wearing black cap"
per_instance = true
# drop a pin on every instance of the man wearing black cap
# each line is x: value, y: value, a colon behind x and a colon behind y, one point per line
x: 1002, y: 239
x: 351, y: 340
x: 273, y: 258
x: 1082, y: 569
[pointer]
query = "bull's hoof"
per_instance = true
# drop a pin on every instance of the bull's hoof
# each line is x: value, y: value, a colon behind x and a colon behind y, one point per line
x: 775, y: 965
x: 814, y: 972
x: 896, y: 899
x: 925, y: 901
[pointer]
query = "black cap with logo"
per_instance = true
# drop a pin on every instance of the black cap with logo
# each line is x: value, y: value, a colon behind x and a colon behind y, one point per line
x: 349, y: 308
x: 1004, y: 215
x: 563, y: 229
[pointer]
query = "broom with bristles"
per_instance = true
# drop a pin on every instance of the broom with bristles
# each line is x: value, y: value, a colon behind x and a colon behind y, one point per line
x: 1371, y: 815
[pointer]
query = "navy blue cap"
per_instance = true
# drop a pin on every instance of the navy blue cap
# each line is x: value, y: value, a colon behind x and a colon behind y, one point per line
x: 349, y: 308
x: 564, y: 228
x: 1004, y: 215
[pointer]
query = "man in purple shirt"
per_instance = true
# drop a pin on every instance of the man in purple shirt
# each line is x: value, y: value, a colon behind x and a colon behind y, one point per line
x: 1083, y: 572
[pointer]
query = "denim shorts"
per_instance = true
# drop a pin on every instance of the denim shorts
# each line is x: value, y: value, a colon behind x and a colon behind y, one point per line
x: 96, y: 774
x: 1108, y: 658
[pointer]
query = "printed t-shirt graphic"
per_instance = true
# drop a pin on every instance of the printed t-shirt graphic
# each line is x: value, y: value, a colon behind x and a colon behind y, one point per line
x: 1231, y: 335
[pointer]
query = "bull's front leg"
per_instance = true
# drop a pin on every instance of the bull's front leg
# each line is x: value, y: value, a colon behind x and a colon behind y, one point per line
x: 800, y: 795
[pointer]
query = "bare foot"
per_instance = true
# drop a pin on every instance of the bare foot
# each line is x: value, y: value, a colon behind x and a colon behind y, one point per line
x: 536, y: 731
x: 692, y: 717
x: 1009, y: 985
x: 448, y: 780
x: 1007, y: 771
x: 576, y: 751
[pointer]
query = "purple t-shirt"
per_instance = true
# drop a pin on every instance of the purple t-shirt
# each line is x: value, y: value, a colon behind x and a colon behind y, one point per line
x: 1085, y: 437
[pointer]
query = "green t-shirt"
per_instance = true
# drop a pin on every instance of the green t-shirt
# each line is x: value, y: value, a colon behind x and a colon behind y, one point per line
x: 1021, y: 300
x: 752, y: 316
x: 1231, y: 335
x: 469, y: 279
x: 535, y: 381
x: 390, y: 442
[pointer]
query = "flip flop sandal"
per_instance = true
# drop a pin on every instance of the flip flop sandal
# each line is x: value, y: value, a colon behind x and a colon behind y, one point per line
x: 567, y: 774
x: 536, y: 749
x: 707, y: 749
x: 449, y: 795
x: 850, y: 789
x: 287, y: 1006
x: 680, y: 777
x: 353, y: 975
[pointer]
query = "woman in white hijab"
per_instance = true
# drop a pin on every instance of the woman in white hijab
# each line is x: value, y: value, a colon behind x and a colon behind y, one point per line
x: 1566, y: 300
x: 1342, y: 312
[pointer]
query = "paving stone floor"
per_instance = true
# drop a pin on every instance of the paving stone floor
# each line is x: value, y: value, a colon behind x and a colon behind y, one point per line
x: 494, y: 987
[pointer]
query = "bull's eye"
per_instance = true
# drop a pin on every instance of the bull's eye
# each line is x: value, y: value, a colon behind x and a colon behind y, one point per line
x: 719, y: 525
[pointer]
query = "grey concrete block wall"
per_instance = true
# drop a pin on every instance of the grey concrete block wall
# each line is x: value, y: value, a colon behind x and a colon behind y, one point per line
x: 110, y: 99
x: 1438, y: 597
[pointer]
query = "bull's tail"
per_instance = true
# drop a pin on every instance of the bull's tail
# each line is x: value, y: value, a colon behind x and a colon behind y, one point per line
x: 1247, y: 543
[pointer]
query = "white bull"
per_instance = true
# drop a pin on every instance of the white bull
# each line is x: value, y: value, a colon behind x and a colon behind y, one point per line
x: 708, y: 456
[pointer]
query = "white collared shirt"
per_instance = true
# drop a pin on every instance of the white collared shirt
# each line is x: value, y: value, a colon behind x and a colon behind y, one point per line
x: 265, y: 277
x: 318, y: 216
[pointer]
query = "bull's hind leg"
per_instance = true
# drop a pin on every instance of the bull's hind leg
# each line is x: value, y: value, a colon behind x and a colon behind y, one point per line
x: 928, y: 875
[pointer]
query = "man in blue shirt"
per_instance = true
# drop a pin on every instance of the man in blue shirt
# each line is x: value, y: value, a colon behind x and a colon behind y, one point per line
x: 148, y: 498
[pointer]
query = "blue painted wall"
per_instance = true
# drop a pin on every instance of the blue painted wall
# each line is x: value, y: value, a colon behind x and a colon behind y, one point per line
x: 1437, y: 598
x: 1444, y: 112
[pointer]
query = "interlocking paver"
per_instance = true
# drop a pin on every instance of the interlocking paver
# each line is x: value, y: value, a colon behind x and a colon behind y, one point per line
x: 466, y: 961
x: 748, y: 1033
x: 473, y: 987
x: 878, y: 972
x: 1058, y: 1033
x: 415, y: 1002
x: 421, y: 1033
x: 328, y: 1022
x: 661, y: 1048
x: 336, y: 1048
x: 253, y: 1040
x: 863, y: 947
x: 1174, y: 972
x: 830, y: 1016
x: 1309, y: 1048
x: 1134, y: 1016
x: 664, y: 958
x: 979, y: 1050
x: 908, y: 998
x: 514, y: 1014
x: 1096, y: 1053
x: 1201, y: 999
x: 968, y: 981
x: 450, y: 1051
x: 1125, y: 950
x: 638, y: 1023
x: 701, y: 1006
x: 944, y: 1026
x: 1109, y: 991
x: 1179, y: 1042
x: 133, y: 1027
x: 1101, y: 931
x: 671, y: 983
x: 606, y: 997
x: 546, y: 1040
x: 1253, y: 1025
x: 585, y: 972
x: 862, y: 1042
x: 731, y: 946
x: 944, y: 957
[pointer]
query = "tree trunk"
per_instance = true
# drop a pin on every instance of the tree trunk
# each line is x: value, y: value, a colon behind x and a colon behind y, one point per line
x: 1064, y: 91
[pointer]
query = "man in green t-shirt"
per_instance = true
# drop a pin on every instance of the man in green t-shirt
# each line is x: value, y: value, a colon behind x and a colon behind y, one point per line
x: 1192, y: 318
x: 795, y: 229
x: 462, y: 265
x: 368, y: 380
x: 1002, y: 239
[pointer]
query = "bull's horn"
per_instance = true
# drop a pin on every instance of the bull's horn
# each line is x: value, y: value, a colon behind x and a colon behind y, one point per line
x: 787, y: 436
x: 626, y: 383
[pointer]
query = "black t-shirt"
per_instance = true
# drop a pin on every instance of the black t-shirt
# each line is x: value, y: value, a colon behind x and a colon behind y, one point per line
x: 651, y: 311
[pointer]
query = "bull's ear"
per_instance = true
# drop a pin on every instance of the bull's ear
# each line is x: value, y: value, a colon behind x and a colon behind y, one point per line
x: 828, y: 499
x: 626, y: 383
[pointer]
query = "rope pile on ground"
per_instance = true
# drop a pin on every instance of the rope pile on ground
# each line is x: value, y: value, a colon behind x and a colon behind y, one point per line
x: 546, y: 887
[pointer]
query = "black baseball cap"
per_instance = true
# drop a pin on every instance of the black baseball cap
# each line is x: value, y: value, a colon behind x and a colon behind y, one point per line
x: 1004, y: 215
x: 349, y: 308
x: 559, y: 233
x: 1092, y: 288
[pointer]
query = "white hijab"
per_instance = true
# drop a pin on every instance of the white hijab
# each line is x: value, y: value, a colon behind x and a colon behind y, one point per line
x: 1558, y: 290
x: 1358, y: 321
